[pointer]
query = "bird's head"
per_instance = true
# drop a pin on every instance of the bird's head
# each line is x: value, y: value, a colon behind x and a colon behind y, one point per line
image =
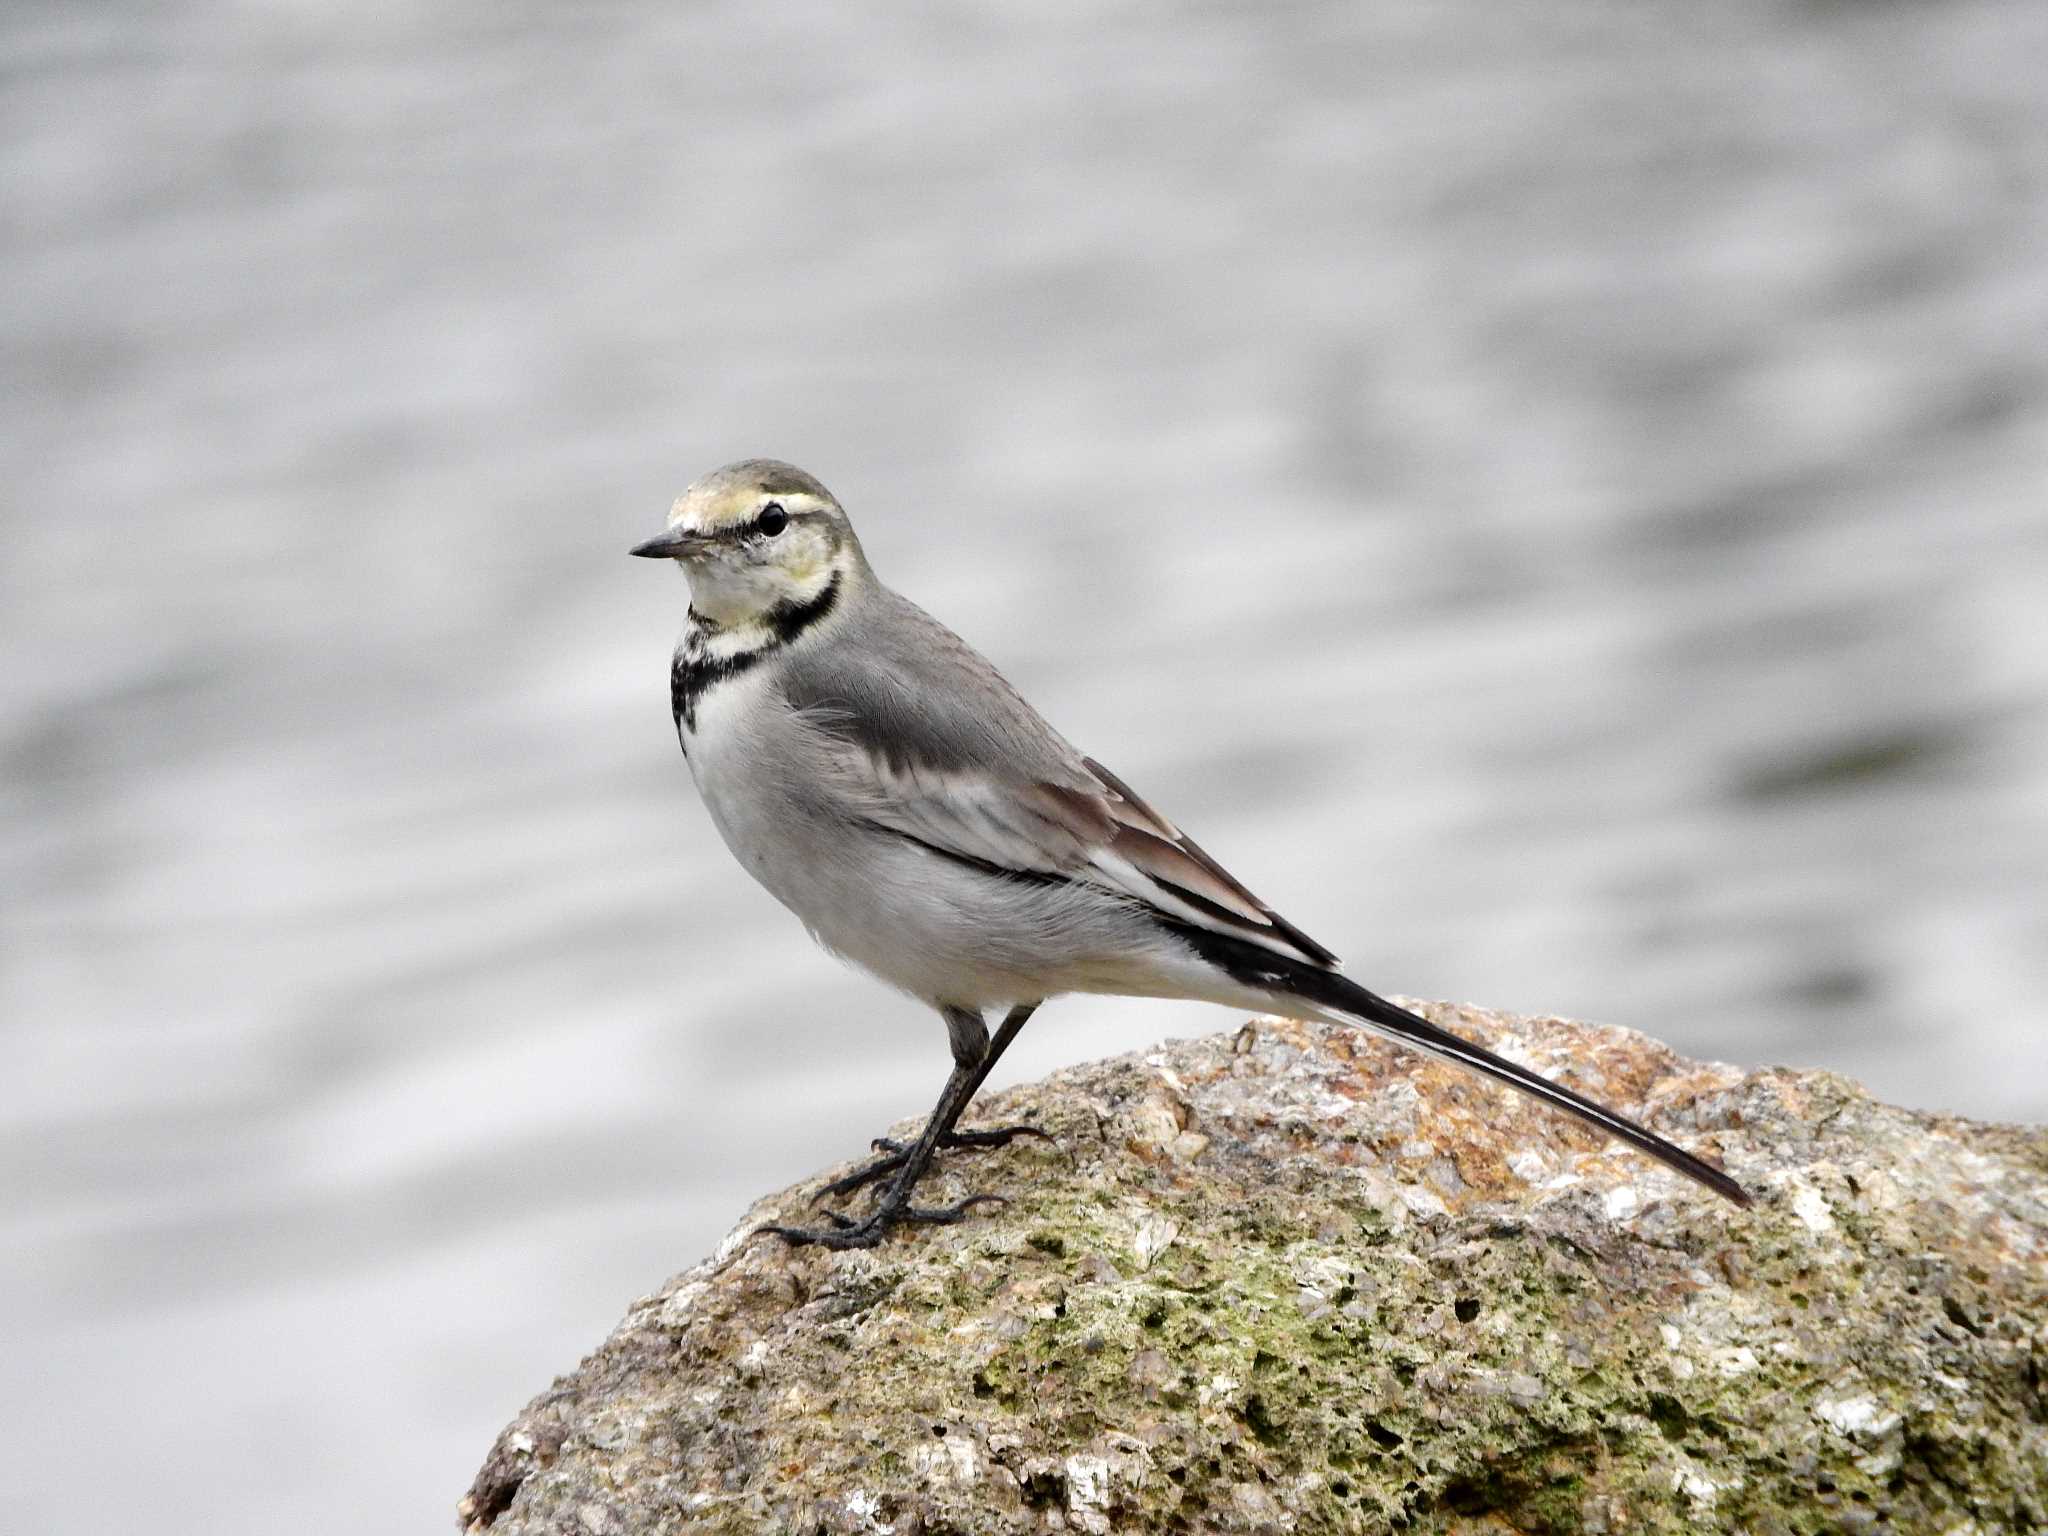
x: 756, y: 539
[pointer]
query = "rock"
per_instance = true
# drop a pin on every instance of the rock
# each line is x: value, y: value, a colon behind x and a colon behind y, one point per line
x: 1296, y: 1279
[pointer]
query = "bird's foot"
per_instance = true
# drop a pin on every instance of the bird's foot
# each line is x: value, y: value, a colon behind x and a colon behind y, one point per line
x: 847, y: 1233
x: 894, y: 1152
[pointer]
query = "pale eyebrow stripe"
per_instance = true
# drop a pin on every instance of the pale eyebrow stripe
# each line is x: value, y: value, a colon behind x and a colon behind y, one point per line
x: 752, y: 524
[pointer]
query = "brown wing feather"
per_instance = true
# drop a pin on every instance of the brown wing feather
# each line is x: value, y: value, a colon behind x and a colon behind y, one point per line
x: 1159, y: 848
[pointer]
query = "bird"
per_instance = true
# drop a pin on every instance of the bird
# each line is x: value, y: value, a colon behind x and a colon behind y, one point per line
x: 883, y: 781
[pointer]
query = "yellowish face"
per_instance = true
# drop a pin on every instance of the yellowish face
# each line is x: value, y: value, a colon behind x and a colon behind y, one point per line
x: 755, y: 538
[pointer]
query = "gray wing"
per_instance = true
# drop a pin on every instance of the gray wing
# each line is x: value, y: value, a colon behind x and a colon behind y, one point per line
x: 930, y: 743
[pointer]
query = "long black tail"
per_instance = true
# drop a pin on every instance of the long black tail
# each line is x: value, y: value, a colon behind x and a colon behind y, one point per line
x: 1255, y: 965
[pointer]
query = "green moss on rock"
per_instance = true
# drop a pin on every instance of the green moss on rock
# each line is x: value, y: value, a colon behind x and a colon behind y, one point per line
x: 1293, y: 1279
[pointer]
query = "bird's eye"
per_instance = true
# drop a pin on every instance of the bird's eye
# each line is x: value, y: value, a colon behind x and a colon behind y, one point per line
x: 773, y: 519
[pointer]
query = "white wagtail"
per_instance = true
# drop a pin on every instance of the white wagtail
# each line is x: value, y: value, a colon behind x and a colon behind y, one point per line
x: 885, y: 784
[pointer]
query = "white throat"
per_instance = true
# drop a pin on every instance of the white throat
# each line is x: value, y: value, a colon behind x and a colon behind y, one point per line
x: 741, y: 596
x: 745, y: 605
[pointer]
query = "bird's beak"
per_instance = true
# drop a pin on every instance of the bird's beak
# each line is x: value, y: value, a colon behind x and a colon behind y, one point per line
x: 675, y: 544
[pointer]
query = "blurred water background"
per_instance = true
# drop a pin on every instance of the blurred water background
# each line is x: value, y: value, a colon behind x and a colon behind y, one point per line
x: 1553, y: 495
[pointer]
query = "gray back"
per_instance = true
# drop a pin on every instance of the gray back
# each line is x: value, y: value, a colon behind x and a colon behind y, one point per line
x: 916, y: 695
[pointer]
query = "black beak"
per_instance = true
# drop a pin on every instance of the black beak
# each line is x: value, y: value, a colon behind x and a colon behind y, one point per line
x: 675, y: 544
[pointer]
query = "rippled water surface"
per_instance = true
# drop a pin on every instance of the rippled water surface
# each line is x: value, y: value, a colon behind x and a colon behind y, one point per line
x: 1554, y: 496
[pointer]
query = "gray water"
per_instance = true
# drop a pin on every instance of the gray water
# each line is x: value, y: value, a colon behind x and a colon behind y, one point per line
x: 1553, y: 495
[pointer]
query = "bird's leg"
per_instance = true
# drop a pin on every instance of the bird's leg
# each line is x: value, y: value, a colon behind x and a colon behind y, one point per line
x: 995, y: 1136
x: 991, y: 1136
x: 969, y: 1037
x: 973, y: 1056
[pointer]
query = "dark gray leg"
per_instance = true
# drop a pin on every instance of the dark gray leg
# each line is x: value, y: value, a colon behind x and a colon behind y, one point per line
x: 967, y: 1035
x: 994, y: 1136
x: 974, y: 1056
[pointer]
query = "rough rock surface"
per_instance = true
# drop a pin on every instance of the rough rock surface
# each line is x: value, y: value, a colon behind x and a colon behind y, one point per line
x: 1293, y: 1279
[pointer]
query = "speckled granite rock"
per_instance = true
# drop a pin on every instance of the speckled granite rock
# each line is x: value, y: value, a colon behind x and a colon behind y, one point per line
x: 1292, y: 1279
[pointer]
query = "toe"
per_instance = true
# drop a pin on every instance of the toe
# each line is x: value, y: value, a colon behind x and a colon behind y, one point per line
x: 995, y: 1136
x: 949, y: 1215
